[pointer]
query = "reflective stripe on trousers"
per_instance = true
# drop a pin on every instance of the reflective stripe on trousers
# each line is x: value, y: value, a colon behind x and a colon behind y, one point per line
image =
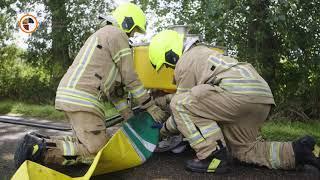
x: 274, y: 155
x: 184, y: 115
x: 138, y: 91
x: 195, y: 137
x: 206, y: 131
x: 120, y: 105
x: 68, y: 150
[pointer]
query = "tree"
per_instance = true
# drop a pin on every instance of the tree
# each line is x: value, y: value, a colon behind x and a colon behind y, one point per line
x: 67, y: 25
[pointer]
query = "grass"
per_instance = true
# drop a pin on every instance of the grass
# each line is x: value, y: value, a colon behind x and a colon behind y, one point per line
x: 8, y: 107
x: 276, y: 130
x: 285, y: 130
x: 30, y: 110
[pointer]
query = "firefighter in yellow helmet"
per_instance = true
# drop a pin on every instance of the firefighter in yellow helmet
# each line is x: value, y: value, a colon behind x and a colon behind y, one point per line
x: 221, y: 103
x: 103, y: 67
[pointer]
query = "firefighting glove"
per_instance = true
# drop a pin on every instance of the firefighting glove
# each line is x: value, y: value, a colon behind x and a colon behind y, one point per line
x: 163, y: 101
x: 157, y: 114
x: 157, y: 125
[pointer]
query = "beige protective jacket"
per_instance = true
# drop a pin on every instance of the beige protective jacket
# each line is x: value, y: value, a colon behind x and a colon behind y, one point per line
x: 202, y: 65
x: 101, y: 66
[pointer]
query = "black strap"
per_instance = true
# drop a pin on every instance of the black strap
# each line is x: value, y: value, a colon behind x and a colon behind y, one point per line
x: 146, y: 101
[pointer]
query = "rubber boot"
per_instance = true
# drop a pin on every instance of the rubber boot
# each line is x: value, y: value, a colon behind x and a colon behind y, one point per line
x: 303, y: 150
x: 31, y: 148
x: 215, y: 163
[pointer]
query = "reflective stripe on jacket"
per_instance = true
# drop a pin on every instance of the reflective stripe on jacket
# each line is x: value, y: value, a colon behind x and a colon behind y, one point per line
x: 202, y: 65
x: 104, y: 62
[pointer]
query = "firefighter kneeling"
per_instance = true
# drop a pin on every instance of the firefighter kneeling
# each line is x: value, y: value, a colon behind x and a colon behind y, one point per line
x: 221, y: 103
x: 104, y: 66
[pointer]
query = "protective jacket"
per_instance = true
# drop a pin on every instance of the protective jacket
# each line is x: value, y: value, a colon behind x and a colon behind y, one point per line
x: 202, y: 65
x: 103, y: 65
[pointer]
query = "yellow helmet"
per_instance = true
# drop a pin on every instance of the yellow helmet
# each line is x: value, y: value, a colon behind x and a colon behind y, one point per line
x: 165, y: 48
x: 129, y: 16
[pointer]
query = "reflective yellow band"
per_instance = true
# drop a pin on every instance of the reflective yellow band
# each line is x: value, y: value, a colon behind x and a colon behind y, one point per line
x: 121, y: 105
x: 206, y: 131
x: 84, y: 61
x: 72, y: 148
x: 67, y: 138
x: 316, y: 151
x: 246, y: 86
x: 78, y: 93
x: 121, y: 53
x: 35, y: 149
x: 114, y: 70
x: 80, y: 98
x: 196, y: 139
x: 217, y: 62
x: 111, y: 78
x: 182, y: 90
x: 68, y: 148
x: 274, y: 155
x: 184, y: 115
x: 138, y: 92
x: 247, y: 90
x: 213, y: 165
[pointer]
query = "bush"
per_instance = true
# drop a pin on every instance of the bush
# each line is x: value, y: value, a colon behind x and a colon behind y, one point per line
x: 20, y: 81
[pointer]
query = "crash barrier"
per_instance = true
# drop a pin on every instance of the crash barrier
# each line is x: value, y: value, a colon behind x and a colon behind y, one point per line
x: 130, y: 146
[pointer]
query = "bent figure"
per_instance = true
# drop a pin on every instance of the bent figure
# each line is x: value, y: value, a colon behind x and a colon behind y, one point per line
x: 221, y: 104
x: 103, y: 67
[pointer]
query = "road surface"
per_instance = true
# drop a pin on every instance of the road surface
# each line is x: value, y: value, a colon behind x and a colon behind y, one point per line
x: 160, y: 166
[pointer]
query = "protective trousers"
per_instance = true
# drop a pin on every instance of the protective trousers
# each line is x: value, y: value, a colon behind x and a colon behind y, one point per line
x: 196, y: 114
x: 89, y: 136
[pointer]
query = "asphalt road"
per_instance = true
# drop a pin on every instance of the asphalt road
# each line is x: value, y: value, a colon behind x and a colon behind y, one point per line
x: 160, y: 166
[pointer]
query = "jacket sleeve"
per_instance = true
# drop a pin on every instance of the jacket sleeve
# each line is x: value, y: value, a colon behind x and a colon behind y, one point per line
x: 185, y: 79
x: 123, y: 57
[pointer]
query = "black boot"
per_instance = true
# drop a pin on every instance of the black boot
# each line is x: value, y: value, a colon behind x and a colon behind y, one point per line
x: 215, y: 163
x: 303, y: 151
x: 31, y: 148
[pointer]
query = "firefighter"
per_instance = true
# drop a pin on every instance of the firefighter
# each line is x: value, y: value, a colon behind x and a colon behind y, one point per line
x: 103, y: 67
x: 221, y: 102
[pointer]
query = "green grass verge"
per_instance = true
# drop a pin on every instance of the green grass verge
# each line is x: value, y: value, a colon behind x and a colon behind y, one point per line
x: 284, y: 130
x: 40, y: 111
x: 280, y: 130
x: 30, y: 110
